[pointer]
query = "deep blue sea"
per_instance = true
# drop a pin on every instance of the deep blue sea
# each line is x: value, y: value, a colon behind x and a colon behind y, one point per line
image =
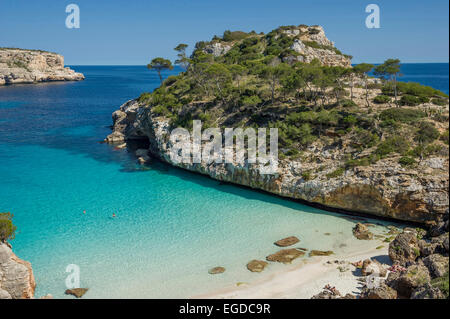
x: 171, y: 225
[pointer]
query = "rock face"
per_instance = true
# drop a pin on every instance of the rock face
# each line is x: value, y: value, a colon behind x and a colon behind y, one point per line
x: 383, y: 189
x: 32, y: 66
x: 404, y: 248
x: 16, y: 276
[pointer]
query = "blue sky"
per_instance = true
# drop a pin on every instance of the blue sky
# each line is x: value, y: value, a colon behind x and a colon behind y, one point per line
x: 131, y: 32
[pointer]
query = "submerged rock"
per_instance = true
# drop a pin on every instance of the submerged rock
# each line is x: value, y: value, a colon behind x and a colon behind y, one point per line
x: 288, y: 241
x: 77, y: 292
x: 256, y: 265
x: 285, y: 256
x: 362, y: 232
x: 216, y: 270
x: 320, y: 253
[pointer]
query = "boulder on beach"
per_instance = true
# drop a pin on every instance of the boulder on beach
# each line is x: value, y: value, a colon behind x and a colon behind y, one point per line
x: 285, y: 255
x: 77, y: 292
x: 288, y: 241
x: 216, y: 270
x: 256, y: 265
x: 404, y: 248
x: 373, y: 267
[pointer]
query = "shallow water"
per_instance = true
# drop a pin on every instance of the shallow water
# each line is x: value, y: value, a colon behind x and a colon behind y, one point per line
x: 171, y: 226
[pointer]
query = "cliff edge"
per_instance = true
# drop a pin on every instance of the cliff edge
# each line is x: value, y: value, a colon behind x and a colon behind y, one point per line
x: 32, y: 66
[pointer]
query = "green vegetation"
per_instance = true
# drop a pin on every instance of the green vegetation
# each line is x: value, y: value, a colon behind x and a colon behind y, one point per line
x: 382, y: 99
x: 160, y: 64
x: 7, y: 228
x: 442, y: 284
x: 336, y: 173
x: 260, y: 83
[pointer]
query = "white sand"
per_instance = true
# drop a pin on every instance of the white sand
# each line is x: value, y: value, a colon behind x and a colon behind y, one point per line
x: 305, y: 279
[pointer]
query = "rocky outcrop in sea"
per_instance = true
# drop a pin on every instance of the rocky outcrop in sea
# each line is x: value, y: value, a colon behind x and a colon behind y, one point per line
x: 33, y: 66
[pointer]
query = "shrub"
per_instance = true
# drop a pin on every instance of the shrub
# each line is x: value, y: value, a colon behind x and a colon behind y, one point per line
x: 409, y: 100
x: 357, y: 162
x: 427, y: 133
x: 444, y: 137
x: 382, y: 99
x: 7, y: 228
x: 401, y: 115
x: 365, y: 138
x: 439, y: 101
x: 442, y: 284
x: 406, y: 161
x: 347, y: 103
x: 336, y: 173
x: 234, y: 35
x: 145, y: 97
x: 397, y: 144
x: 251, y: 100
x: 307, y: 176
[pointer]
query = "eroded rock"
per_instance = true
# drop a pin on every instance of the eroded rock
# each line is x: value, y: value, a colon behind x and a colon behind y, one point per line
x: 288, y: 241
x: 256, y: 265
x: 285, y: 256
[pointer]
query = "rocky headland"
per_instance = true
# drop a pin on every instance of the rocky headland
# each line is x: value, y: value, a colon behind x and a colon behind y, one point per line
x: 346, y: 143
x: 33, y: 66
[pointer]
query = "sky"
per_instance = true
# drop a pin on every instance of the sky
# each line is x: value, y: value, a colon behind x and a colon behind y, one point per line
x: 132, y: 32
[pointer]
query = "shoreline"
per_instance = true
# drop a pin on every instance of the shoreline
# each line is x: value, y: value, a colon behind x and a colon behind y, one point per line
x: 305, y: 279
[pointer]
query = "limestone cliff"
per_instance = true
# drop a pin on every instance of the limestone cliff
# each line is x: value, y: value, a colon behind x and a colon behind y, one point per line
x: 16, y: 276
x: 385, y: 189
x: 32, y: 66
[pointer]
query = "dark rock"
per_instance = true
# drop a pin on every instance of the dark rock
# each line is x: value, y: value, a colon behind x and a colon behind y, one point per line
x: 77, y: 292
x: 288, y: 241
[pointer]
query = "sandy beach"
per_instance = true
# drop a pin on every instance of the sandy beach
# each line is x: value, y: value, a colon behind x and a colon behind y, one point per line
x: 307, y: 278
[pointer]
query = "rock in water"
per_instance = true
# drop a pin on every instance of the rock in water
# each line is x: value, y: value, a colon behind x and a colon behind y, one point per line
x: 216, y: 270
x: 32, y: 66
x: 77, y: 292
x: 285, y: 256
x: 362, y: 232
x: 256, y: 265
x: 288, y: 241
x: 320, y: 253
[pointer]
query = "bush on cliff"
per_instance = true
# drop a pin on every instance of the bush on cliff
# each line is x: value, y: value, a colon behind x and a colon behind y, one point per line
x: 7, y: 228
x: 401, y: 115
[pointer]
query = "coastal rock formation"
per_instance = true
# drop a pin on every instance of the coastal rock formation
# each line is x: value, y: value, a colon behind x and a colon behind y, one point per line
x: 16, y: 276
x: 413, y: 275
x: 383, y: 189
x: 32, y: 66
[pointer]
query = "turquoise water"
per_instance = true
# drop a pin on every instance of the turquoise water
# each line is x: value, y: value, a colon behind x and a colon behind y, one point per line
x: 171, y: 225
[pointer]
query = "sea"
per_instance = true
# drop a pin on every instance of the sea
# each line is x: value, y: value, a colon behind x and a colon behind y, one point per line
x: 171, y: 226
